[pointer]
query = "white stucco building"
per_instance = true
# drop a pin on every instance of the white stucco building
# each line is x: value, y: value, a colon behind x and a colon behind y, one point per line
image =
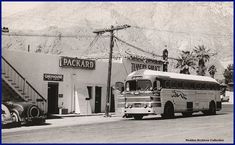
x: 77, y: 85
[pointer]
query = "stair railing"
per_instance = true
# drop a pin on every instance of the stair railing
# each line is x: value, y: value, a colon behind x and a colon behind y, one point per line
x: 27, y: 91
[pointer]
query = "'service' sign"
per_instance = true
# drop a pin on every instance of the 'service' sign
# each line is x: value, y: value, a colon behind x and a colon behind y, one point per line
x: 53, y: 77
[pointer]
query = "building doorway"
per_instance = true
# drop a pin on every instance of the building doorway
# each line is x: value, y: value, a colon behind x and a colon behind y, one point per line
x: 98, y: 92
x: 112, y: 103
x: 53, y: 98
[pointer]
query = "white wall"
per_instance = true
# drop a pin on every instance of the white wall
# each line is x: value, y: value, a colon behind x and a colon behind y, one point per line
x: 33, y: 65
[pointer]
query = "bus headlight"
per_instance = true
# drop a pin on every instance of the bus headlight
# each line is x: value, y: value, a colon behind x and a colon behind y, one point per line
x: 145, y: 105
x: 126, y: 105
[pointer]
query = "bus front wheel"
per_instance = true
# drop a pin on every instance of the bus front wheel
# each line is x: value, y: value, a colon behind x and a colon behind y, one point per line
x: 168, y: 111
x: 138, y: 117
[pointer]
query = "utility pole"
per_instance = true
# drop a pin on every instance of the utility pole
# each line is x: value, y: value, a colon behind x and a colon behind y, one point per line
x: 111, y: 30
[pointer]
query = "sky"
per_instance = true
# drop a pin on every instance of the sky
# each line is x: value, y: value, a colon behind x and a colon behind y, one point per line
x: 10, y: 8
x: 136, y: 13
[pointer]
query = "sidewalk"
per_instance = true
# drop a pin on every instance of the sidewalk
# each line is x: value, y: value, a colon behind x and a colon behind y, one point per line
x: 67, y: 120
x: 76, y: 115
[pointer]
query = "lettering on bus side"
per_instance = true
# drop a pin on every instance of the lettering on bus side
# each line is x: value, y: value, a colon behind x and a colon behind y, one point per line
x: 177, y: 94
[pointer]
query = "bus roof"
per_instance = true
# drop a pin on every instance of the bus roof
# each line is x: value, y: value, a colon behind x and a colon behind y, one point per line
x: 170, y: 75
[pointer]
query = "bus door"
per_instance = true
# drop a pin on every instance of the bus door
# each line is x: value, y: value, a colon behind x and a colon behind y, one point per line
x: 199, y: 95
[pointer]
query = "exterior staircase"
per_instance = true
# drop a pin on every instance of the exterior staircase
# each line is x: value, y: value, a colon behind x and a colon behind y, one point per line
x: 21, y: 87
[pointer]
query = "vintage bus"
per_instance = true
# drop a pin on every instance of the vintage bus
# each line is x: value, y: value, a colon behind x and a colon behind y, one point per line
x: 149, y: 92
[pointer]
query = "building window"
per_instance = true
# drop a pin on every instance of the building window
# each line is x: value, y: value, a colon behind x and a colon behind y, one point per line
x: 89, y: 89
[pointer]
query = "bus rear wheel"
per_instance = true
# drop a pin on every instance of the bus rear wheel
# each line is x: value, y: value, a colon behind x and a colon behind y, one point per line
x: 212, y: 109
x: 168, y: 111
x: 138, y: 117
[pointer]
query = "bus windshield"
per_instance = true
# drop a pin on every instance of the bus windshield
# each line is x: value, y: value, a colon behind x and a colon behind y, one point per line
x: 138, y: 85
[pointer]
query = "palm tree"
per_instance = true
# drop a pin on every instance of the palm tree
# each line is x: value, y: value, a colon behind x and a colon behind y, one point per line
x: 228, y: 74
x: 185, y: 61
x: 212, y: 70
x: 202, y: 54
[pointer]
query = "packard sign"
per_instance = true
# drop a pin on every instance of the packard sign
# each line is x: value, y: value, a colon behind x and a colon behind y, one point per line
x: 77, y: 63
x: 52, y: 77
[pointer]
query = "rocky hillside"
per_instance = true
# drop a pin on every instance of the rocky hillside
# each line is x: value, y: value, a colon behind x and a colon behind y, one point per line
x: 66, y: 28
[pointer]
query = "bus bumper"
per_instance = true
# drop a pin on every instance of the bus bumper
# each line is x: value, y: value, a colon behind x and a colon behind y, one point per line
x: 145, y: 111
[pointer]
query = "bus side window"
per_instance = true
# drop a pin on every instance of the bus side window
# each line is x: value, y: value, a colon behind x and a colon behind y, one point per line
x: 208, y: 86
x: 192, y: 85
x: 197, y: 86
x: 173, y: 84
x: 167, y: 84
x: 211, y: 87
x: 200, y: 86
x: 180, y: 85
x: 186, y: 85
x: 214, y: 87
x: 203, y: 86
x: 163, y: 84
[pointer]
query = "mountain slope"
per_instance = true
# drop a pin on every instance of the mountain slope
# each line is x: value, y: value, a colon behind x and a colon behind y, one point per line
x: 67, y: 28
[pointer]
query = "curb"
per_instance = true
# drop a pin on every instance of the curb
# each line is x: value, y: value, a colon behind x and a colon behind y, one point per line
x: 57, y: 116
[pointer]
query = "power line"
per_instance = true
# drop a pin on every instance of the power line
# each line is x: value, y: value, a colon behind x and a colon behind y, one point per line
x: 131, y: 45
x: 115, y: 40
x: 140, y: 49
x: 94, y: 40
x: 183, y: 32
x: 91, y: 44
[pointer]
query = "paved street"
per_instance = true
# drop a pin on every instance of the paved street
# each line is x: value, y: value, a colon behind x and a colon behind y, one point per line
x: 152, y: 129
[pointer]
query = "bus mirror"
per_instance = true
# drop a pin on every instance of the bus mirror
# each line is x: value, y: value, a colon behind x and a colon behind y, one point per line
x: 122, y: 89
x: 119, y: 86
